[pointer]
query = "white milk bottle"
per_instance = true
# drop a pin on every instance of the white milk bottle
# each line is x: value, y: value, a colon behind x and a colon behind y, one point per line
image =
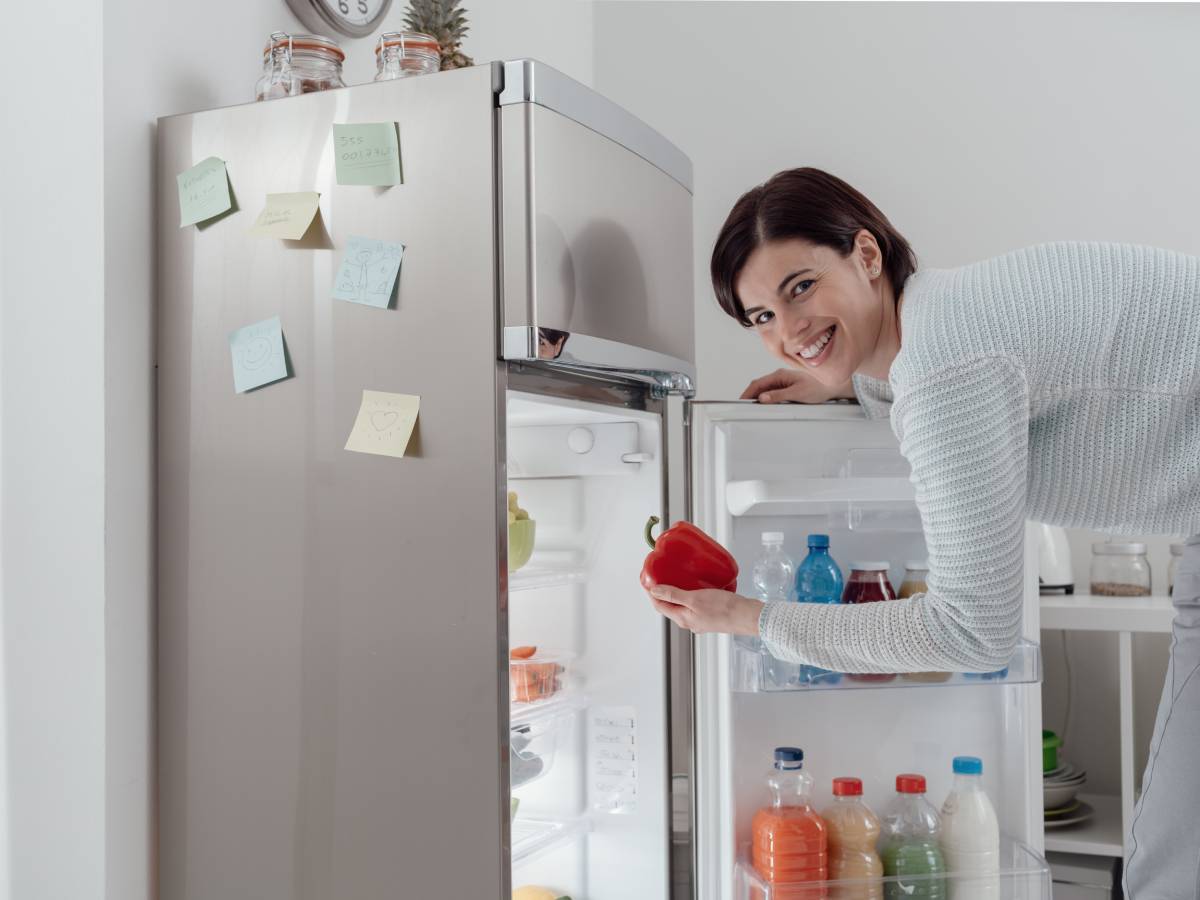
x: 970, y: 835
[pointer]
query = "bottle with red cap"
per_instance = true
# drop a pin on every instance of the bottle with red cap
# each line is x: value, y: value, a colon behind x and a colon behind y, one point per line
x: 853, y: 830
x: 909, y: 844
x: 789, y: 839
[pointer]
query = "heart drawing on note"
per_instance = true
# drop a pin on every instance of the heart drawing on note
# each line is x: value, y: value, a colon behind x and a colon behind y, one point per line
x: 384, y: 419
x: 256, y: 352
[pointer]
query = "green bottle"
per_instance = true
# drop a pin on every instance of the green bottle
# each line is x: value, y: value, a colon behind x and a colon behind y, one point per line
x: 908, y: 845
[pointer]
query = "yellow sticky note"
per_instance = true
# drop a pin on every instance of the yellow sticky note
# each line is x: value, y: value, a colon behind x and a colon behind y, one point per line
x: 287, y: 216
x: 384, y: 424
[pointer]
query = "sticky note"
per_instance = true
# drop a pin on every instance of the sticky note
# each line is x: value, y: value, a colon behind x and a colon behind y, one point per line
x: 384, y: 424
x: 287, y: 215
x: 203, y: 192
x: 368, y: 271
x: 367, y: 154
x: 258, y: 357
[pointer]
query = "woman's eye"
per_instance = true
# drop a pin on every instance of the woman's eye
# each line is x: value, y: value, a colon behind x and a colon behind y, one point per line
x: 801, y: 286
x: 763, y: 318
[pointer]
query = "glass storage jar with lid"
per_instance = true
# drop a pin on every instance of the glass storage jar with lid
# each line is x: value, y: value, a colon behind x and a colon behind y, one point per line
x: 299, y: 64
x: 1173, y: 567
x: 402, y: 53
x: 1120, y: 569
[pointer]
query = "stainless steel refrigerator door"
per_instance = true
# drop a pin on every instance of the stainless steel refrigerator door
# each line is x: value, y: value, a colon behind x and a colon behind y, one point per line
x: 329, y: 709
x: 596, y: 234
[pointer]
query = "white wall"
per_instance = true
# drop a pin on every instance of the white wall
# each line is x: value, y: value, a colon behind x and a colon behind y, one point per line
x: 52, y: 455
x: 977, y: 128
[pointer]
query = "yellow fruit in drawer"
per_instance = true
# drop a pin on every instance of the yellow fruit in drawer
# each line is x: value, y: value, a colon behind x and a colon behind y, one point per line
x: 529, y: 892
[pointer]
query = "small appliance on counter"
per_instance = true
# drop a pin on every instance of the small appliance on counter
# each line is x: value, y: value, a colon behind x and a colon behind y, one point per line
x: 1054, y: 561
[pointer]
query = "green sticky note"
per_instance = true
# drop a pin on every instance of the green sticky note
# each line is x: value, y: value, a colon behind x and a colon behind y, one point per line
x: 203, y: 192
x: 367, y: 154
x: 287, y: 216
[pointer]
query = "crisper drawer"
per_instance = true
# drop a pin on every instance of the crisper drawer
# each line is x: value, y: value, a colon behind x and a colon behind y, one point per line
x: 595, y: 230
x: 1023, y: 875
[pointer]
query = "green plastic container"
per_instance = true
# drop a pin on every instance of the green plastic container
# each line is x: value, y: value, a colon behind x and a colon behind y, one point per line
x: 1050, y: 744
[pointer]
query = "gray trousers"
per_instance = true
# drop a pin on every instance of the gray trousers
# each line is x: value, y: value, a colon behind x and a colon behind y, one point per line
x: 1164, y: 844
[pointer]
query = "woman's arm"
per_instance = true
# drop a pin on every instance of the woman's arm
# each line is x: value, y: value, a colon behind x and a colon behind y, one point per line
x: 965, y: 433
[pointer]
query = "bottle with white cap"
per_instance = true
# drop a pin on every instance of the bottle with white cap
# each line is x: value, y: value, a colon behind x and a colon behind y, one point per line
x: 774, y: 577
x: 970, y: 835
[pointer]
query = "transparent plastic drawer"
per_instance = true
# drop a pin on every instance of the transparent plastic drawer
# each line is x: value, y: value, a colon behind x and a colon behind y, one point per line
x: 540, y: 678
x: 537, y: 733
x: 1024, y: 875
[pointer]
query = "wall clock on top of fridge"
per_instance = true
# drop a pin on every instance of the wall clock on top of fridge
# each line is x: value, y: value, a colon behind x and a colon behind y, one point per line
x: 353, y: 18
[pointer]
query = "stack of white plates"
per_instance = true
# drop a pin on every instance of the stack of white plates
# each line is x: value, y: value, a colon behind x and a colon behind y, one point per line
x: 1059, y: 788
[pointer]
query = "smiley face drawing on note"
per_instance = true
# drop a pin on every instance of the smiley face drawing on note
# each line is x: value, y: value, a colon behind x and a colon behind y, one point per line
x: 384, y: 424
x: 258, y: 357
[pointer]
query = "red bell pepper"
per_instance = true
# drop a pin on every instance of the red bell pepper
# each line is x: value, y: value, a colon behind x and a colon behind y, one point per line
x: 687, y: 558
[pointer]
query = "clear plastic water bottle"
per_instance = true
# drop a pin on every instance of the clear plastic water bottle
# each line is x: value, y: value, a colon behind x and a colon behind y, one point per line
x: 774, y: 577
x: 818, y: 580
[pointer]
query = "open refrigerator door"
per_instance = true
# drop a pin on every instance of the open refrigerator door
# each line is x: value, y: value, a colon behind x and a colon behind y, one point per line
x: 828, y: 469
x: 587, y: 678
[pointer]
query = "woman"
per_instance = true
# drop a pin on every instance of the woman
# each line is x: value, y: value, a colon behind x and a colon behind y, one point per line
x: 1059, y: 383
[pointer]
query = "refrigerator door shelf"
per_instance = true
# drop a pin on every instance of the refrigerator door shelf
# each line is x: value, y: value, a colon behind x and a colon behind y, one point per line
x: 756, y: 671
x: 1024, y: 875
x: 797, y: 496
x: 532, y: 838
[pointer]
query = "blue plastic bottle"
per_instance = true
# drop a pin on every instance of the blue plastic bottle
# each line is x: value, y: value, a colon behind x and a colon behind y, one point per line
x: 818, y: 580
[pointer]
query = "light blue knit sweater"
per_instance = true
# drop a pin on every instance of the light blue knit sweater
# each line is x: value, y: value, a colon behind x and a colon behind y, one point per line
x: 1059, y: 383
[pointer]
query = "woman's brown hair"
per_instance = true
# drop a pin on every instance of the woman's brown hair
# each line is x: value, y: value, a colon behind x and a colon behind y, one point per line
x: 802, y: 203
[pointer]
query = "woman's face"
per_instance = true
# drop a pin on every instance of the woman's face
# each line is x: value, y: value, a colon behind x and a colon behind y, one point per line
x: 814, y: 308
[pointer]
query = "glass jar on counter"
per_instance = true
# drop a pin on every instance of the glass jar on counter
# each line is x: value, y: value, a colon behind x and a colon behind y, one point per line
x: 1120, y: 569
x: 299, y: 64
x: 402, y: 53
x: 1173, y: 567
x: 868, y: 583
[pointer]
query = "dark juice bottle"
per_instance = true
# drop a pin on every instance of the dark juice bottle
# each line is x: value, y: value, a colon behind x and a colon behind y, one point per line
x: 868, y: 583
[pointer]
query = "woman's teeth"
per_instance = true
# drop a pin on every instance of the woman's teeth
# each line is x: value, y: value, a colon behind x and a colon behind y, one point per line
x: 815, y: 348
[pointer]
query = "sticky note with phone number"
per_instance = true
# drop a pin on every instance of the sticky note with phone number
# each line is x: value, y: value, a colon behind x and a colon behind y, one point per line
x: 368, y: 154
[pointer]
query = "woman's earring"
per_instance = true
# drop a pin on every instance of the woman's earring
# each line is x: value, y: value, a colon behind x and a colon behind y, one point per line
x: 874, y: 272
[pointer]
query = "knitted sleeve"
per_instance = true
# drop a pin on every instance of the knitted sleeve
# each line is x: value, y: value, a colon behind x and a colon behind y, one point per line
x: 964, y: 430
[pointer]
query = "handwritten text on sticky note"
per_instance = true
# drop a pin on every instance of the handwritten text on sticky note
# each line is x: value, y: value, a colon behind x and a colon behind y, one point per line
x: 367, y: 154
x: 384, y: 424
x: 203, y: 192
x: 258, y: 357
x: 287, y: 216
x: 368, y: 271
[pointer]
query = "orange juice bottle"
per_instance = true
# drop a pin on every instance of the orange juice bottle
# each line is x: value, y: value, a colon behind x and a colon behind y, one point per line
x: 853, y: 831
x: 789, y: 845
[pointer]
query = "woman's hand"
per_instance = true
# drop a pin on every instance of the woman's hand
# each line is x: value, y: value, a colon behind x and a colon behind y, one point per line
x: 795, y: 386
x: 708, y: 610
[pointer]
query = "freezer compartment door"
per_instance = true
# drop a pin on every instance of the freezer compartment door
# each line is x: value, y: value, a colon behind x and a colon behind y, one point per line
x: 828, y: 469
x: 596, y: 233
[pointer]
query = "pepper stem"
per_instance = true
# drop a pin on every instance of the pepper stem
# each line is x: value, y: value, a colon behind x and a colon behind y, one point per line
x: 654, y: 520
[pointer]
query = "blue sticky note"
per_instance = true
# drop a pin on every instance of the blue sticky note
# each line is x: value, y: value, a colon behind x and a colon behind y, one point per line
x: 257, y: 352
x: 368, y: 271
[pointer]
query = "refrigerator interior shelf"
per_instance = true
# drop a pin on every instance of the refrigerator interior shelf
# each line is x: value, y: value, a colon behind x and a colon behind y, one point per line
x: 531, y: 578
x: 1024, y: 875
x: 803, y: 496
x: 753, y: 671
x: 532, y: 838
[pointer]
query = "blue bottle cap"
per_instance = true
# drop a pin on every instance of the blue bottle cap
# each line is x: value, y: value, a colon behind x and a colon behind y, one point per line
x: 968, y: 765
x: 818, y: 540
x: 789, y: 757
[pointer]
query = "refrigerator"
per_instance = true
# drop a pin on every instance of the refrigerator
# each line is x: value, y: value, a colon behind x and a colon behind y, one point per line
x: 364, y: 688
